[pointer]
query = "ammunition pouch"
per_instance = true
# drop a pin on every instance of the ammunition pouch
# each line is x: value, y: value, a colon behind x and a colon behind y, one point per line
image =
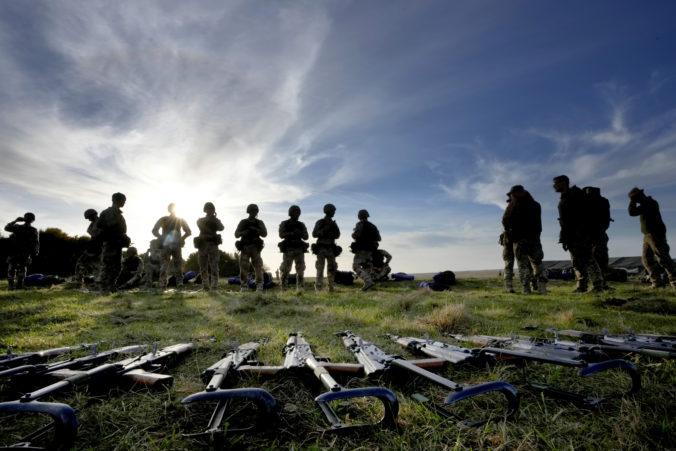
x: 358, y: 246
x: 258, y: 242
x: 290, y: 245
x: 198, y: 242
x: 238, y: 245
x: 316, y: 247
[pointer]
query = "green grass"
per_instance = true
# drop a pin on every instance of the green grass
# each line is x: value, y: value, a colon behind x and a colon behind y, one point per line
x: 140, y: 418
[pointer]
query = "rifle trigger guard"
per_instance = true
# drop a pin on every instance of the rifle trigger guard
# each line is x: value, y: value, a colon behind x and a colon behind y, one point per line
x: 384, y: 395
x: 65, y: 421
x: 507, y: 390
x: 623, y: 365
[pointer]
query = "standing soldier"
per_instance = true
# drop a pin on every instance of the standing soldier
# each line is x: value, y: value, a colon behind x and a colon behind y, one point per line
x: 655, y: 248
x: 599, y: 208
x: 207, y: 246
x: 507, y: 257
x: 327, y: 232
x: 293, y: 248
x: 24, y: 244
x: 250, y: 232
x: 172, y: 242
x: 366, y: 237
x: 113, y: 232
x: 575, y: 235
x: 523, y: 225
x: 89, y: 261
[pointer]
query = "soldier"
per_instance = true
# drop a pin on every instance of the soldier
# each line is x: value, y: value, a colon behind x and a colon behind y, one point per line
x: 575, y: 235
x: 600, y: 220
x: 381, y: 265
x: 507, y: 257
x: 113, y: 232
x: 172, y: 242
x: 207, y: 246
x: 250, y: 231
x: 655, y: 247
x: 327, y: 232
x: 89, y: 261
x: 523, y: 224
x: 24, y: 244
x: 293, y: 248
x: 132, y: 270
x: 151, y: 262
x: 366, y: 237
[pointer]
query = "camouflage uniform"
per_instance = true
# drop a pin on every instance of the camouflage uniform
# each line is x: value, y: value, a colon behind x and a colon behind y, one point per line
x: 88, y: 263
x: 366, y: 237
x: 250, y: 231
x: 600, y: 220
x: 23, y: 246
x: 172, y: 243
x: 381, y: 266
x: 207, y: 247
x: 656, y: 255
x: 327, y: 232
x: 523, y: 225
x: 151, y: 262
x: 293, y: 248
x: 131, y: 273
x: 113, y: 232
x: 508, y: 258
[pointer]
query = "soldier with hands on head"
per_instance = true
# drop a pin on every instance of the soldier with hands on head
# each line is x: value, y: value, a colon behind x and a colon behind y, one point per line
x: 172, y: 243
x: 113, y: 232
x: 656, y: 257
x: 366, y: 237
x: 250, y: 232
x: 207, y: 246
x: 576, y: 236
x: 24, y: 244
x: 293, y: 247
x: 89, y: 261
x: 327, y: 232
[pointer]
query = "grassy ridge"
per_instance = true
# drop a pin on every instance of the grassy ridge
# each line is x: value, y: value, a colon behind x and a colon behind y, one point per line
x: 139, y: 418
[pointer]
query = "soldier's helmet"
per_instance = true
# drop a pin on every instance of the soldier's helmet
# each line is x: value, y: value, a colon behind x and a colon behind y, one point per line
x: 252, y: 208
x: 90, y: 213
x: 132, y: 252
x: 363, y: 214
x: 29, y: 217
x: 209, y: 208
x: 635, y: 191
x: 170, y: 207
x: 119, y: 197
x: 515, y: 189
x: 329, y: 208
x: 294, y: 211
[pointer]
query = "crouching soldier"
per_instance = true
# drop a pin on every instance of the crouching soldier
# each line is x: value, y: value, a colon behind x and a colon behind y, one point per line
x: 24, y: 244
x: 293, y: 248
x: 207, y: 247
x: 250, y: 232
x: 327, y: 232
x: 152, y: 261
x: 366, y: 237
x: 132, y: 270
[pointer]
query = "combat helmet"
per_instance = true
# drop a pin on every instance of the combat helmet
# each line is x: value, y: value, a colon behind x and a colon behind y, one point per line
x: 294, y: 211
x: 363, y: 214
x: 252, y: 208
x: 90, y: 214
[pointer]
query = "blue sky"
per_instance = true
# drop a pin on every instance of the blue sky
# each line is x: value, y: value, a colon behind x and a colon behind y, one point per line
x: 424, y: 113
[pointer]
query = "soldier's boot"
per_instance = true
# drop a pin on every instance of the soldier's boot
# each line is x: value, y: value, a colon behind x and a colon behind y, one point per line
x: 526, y: 288
x: 542, y: 286
x: 19, y: 283
x: 581, y: 287
x: 508, y: 286
x: 597, y: 287
x: 330, y: 279
x: 534, y: 285
x: 300, y: 281
x: 10, y: 284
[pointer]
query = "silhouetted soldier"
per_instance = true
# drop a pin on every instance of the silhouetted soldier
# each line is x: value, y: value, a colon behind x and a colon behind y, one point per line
x: 327, y: 232
x: 381, y: 265
x: 656, y: 255
x: 113, y: 233
x: 24, y: 244
x: 250, y: 232
x: 507, y: 258
x: 132, y: 272
x: 90, y: 260
x: 366, y: 237
x: 293, y: 248
x: 152, y: 260
x: 575, y: 235
x: 172, y: 243
x: 599, y: 219
x: 523, y: 224
x: 207, y: 246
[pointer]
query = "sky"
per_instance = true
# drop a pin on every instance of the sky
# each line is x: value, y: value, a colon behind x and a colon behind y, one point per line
x: 424, y: 113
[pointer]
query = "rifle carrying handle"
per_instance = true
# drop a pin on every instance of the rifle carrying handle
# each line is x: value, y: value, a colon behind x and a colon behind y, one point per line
x: 622, y: 365
x: 507, y: 390
x: 65, y: 421
x: 384, y: 395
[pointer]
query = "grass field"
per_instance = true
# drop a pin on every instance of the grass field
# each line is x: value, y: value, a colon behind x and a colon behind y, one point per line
x: 141, y: 418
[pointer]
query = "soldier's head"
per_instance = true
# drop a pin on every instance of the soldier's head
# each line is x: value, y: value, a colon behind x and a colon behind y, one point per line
x: 329, y: 210
x: 209, y: 208
x: 363, y: 214
x: 119, y: 200
x: 515, y: 190
x: 252, y: 209
x: 29, y: 218
x: 561, y: 183
x: 294, y: 211
x: 90, y: 214
x: 132, y: 252
x: 171, y: 208
x: 636, y: 194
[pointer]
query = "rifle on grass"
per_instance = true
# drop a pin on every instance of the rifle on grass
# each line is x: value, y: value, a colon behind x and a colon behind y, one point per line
x: 376, y: 362
x: 137, y: 369
x: 299, y: 358
x: 438, y: 349
x: 216, y: 375
x: 10, y: 360
x: 567, y: 354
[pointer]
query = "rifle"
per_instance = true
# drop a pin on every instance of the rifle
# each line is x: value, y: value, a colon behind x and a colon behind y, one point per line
x: 215, y: 377
x: 567, y: 354
x: 376, y: 362
x: 299, y: 358
x: 10, y: 360
x: 438, y: 349
x: 65, y: 422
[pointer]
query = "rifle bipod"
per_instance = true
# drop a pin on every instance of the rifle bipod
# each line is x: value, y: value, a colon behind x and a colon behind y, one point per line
x: 216, y: 375
x: 376, y: 362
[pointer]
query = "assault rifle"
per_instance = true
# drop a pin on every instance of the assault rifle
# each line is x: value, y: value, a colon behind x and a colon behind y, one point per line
x: 299, y: 358
x: 10, y: 360
x: 561, y: 353
x: 216, y: 375
x: 376, y: 362
x: 438, y: 349
x: 64, y: 423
